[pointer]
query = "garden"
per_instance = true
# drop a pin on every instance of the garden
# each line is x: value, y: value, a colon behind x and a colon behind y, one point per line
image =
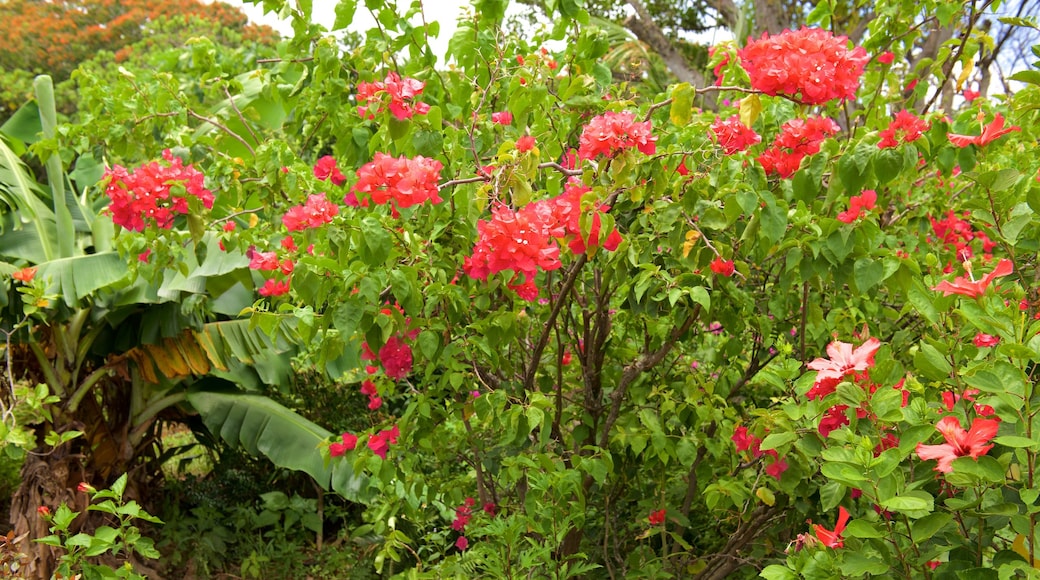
x: 585, y: 296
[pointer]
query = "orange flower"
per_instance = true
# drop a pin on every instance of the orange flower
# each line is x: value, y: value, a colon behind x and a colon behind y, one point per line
x: 25, y: 275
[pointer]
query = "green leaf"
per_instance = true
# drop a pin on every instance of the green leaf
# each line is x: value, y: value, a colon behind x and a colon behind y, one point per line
x: 932, y: 364
x: 985, y: 468
x: 864, y: 529
x: 76, y: 277
x: 344, y: 14
x: 777, y: 572
x: 845, y: 473
x: 856, y: 564
x: 868, y: 273
x: 375, y: 242
x: 926, y: 527
x: 914, y: 504
x: 262, y: 426
x: 1016, y: 442
x: 775, y: 440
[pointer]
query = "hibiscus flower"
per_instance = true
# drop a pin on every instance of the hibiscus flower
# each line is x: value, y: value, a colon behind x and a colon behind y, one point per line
x: 973, y: 288
x: 844, y: 360
x: 990, y: 133
x: 959, y: 443
x: 832, y: 538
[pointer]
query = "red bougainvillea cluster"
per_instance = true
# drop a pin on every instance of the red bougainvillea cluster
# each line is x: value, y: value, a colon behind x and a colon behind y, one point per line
x: 317, y: 212
x: 463, y: 514
x: 798, y: 138
x: 811, y: 66
x: 523, y: 241
x: 745, y: 441
x: 400, y: 181
x: 857, y: 205
x: 613, y: 132
x: 734, y: 136
x: 401, y: 94
x: 905, y: 128
x: 378, y: 443
x: 154, y: 194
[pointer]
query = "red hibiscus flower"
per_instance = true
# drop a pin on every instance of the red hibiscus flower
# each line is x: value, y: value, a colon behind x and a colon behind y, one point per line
x: 959, y: 443
x: 990, y: 133
x: 832, y: 538
x: 973, y: 288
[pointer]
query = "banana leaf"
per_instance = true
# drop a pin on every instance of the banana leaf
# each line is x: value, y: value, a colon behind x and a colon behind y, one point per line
x: 262, y: 426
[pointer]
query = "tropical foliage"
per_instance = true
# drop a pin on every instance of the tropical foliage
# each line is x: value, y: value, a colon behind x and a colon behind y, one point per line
x: 600, y: 332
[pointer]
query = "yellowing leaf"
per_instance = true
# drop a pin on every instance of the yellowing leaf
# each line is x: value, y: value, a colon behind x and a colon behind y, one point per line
x: 682, y: 104
x: 750, y: 108
x: 1019, y: 546
x: 764, y: 494
x: 691, y: 239
x: 967, y: 68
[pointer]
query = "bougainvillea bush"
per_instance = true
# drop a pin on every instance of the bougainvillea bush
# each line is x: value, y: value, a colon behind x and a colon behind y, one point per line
x: 784, y: 325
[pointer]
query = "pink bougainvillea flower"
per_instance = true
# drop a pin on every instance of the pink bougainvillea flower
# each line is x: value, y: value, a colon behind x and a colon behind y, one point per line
x: 25, y: 275
x: 811, y: 66
x: 798, y: 139
x: 733, y: 136
x: 656, y: 518
x: 722, y: 267
x: 905, y: 128
x: 886, y: 57
x: 143, y: 256
x: 349, y: 443
x: 844, y: 360
x: 274, y: 287
x: 396, y: 358
x: 403, y: 95
x: 380, y: 442
x: 502, y: 118
x: 970, y: 95
x: 326, y: 169
x: 746, y: 442
x: 462, y: 543
x: 832, y: 538
x: 777, y: 467
x: 145, y: 196
x: 317, y: 212
x: 983, y: 340
x: 404, y: 182
x: 263, y: 261
x: 974, y: 288
x: 613, y: 132
x: 525, y: 143
x: 959, y: 443
x: 857, y: 204
x: 489, y: 509
x: 990, y: 132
